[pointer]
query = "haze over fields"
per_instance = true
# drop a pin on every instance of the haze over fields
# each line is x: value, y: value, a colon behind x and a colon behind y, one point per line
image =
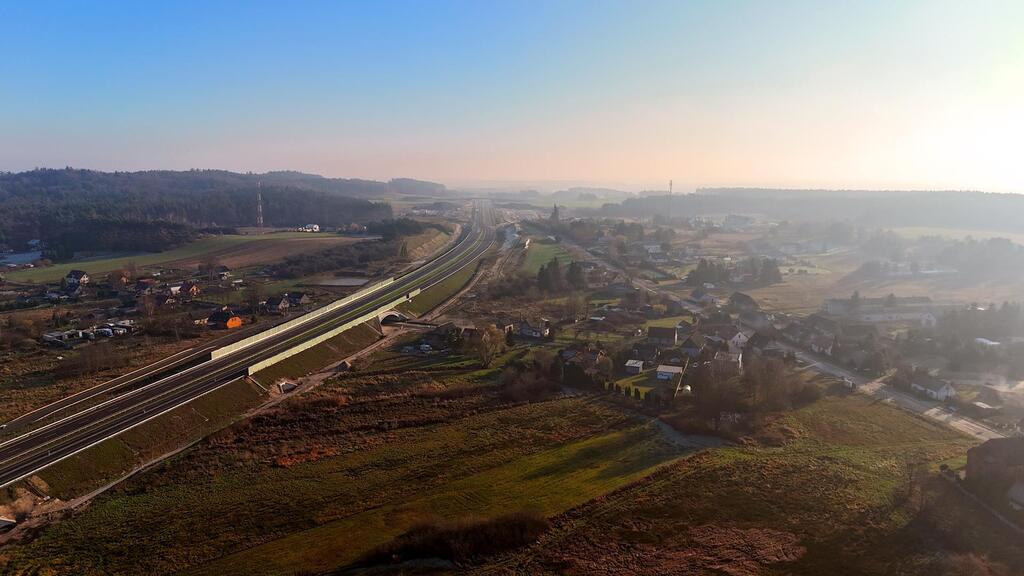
x: 577, y: 287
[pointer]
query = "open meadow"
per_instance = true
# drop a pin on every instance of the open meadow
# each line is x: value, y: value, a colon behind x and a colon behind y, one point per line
x: 234, y: 251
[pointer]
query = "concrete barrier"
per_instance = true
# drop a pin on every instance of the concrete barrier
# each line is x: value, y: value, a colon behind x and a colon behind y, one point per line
x: 328, y: 335
x: 319, y: 312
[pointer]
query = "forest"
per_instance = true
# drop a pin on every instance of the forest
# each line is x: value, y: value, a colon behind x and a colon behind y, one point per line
x: 88, y: 210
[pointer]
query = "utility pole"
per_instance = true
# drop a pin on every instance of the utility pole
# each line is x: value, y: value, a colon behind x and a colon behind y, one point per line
x: 259, y: 208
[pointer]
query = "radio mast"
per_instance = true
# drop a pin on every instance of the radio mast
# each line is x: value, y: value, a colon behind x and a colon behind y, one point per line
x: 259, y: 208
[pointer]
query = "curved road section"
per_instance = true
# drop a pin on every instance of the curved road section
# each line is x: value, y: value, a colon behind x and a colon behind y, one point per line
x: 32, y: 451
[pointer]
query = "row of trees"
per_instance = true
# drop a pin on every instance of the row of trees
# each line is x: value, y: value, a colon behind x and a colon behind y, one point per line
x: 764, y: 271
x: 552, y: 278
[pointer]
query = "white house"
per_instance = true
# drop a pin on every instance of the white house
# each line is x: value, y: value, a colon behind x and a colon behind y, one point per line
x: 666, y: 372
x: 933, y: 388
x: 76, y: 278
x: 634, y: 366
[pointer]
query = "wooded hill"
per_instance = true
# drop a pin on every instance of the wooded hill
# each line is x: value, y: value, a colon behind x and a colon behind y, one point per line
x: 68, y: 207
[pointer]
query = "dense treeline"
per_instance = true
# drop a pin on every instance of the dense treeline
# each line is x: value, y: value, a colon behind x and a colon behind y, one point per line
x: 44, y: 203
x: 762, y: 272
x: 389, y: 229
x: 111, y: 234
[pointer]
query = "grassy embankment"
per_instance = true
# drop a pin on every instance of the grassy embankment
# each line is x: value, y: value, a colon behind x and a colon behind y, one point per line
x: 117, y: 456
x: 827, y: 490
x: 345, y: 344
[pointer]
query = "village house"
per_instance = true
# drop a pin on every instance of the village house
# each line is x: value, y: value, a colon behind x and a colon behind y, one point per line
x: 932, y: 387
x: 443, y: 336
x: 586, y: 357
x: 190, y: 289
x: 298, y: 299
x: 276, y: 305
x: 822, y: 344
x: 223, y: 320
x: 119, y: 278
x: 76, y: 278
x: 145, y: 286
x: 692, y: 346
x: 183, y: 290
x: 662, y: 335
x: 703, y: 297
x: 758, y: 343
x: 506, y: 325
x: 634, y: 366
x: 646, y: 351
x: 795, y: 333
x: 667, y: 372
x: 534, y: 329
x: 734, y: 338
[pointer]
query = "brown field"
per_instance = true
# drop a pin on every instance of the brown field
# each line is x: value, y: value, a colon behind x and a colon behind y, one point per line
x: 273, y: 249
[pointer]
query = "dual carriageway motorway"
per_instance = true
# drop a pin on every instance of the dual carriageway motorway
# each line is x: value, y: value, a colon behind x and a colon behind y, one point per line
x: 192, y: 373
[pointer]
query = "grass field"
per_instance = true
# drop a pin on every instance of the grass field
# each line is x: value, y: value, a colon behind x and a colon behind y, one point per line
x: 231, y: 250
x: 358, y: 488
x: 539, y: 254
x: 823, y: 493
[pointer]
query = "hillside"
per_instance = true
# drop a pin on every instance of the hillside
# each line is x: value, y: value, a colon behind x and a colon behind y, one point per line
x: 90, y: 210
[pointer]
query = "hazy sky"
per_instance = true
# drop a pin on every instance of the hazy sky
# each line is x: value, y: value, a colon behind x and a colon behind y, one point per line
x: 894, y: 94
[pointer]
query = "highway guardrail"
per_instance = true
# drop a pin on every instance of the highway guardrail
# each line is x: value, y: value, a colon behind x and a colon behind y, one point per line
x: 303, y: 346
x: 284, y: 326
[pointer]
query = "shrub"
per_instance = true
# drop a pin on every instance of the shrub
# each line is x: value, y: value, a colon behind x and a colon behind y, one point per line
x: 462, y: 540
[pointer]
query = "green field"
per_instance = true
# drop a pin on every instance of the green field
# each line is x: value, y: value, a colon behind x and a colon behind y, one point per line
x: 195, y: 249
x: 539, y: 254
